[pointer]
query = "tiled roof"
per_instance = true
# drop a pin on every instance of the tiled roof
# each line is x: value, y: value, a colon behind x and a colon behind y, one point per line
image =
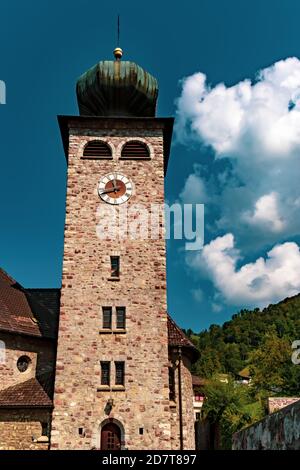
x: 45, y: 304
x: 177, y: 338
x: 21, y: 312
x: 29, y: 394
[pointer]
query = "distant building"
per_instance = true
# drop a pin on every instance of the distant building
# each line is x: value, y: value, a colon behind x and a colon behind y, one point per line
x: 199, y: 396
x: 243, y: 376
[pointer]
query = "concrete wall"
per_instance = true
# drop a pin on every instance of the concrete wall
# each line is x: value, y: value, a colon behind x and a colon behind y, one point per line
x: 278, y: 431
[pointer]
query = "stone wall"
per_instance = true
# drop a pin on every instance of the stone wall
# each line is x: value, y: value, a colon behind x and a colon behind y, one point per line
x: 188, y: 420
x: 40, y: 351
x: 277, y: 403
x: 142, y: 406
x: 278, y: 431
x: 21, y: 429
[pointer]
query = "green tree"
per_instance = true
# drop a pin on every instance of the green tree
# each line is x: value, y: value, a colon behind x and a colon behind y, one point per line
x: 231, y: 407
x: 267, y: 364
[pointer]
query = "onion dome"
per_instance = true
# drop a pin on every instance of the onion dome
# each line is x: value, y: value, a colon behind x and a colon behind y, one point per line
x: 117, y: 88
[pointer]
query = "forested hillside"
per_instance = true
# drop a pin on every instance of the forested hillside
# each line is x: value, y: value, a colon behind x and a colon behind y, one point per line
x: 260, y: 340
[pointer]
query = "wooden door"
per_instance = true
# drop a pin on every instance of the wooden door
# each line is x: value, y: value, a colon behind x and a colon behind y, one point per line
x: 110, y: 437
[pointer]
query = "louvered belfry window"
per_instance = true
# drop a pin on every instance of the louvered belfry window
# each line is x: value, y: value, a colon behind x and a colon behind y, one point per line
x: 97, y: 149
x: 135, y: 150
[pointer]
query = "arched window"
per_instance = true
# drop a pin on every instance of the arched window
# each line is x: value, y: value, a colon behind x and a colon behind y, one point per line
x: 135, y: 150
x: 97, y: 149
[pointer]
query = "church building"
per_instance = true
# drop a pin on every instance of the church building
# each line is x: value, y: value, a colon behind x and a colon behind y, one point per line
x: 99, y: 363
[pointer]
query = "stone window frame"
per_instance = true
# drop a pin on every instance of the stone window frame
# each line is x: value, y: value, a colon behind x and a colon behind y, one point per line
x: 90, y: 138
x: 123, y: 369
x: 115, y: 272
x: 112, y: 387
x: 30, y: 363
x: 116, y: 253
x: 102, y: 362
x: 96, y: 437
x: 105, y: 309
x: 114, y: 305
x: 134, y: 139
x: 85, y: 157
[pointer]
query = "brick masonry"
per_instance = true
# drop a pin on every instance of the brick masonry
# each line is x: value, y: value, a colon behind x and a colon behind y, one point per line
x: 19, y: 426
x: 187, y: 406
x: 144, y: 403
x: 40, y: 351
x: 80, y: 402
x: 21, y: 429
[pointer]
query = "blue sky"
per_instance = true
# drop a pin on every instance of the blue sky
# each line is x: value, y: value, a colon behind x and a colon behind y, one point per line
x: 45, y: 46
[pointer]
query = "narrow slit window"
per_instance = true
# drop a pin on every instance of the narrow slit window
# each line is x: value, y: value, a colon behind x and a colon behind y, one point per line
x: 121, y: 318
x: 115, y: 266
x: 105, y: 373
x: 107, y: 318
x: 120, y: 373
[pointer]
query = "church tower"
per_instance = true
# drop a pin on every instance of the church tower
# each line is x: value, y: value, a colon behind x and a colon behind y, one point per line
x: 112, y: 378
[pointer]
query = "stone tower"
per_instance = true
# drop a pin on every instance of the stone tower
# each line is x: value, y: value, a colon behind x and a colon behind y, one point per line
x: 112, y: 382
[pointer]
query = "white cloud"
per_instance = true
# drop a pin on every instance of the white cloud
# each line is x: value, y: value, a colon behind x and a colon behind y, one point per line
x: 194, y: 190
x: 266, y: 213
x: 198, y: 295
x: 216, y: 308
x: 258, y: 283
x: 245, y: 119
x: 255, y: 128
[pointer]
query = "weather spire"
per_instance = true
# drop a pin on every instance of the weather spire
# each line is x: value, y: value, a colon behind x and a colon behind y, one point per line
x: 118, y: 51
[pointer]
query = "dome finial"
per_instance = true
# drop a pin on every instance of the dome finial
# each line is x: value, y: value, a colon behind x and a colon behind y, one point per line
x: 118, y: 53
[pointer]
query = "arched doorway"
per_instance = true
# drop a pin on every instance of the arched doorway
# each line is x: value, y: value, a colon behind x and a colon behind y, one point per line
x: 110, y: 437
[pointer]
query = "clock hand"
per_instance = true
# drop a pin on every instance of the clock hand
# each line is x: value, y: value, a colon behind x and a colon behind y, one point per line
x: 111, y: 190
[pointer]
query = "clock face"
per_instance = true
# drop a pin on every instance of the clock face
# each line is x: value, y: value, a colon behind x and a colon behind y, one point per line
x: 115, y: 188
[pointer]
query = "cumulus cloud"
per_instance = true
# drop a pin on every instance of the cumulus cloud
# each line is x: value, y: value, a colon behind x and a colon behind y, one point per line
x: 264, y: 281
x: 216, y: 308
x: 254, y: 128
x: 245, y: 119
x: 267, y: 213
x: 194, y: 190
x: 198, y: 295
